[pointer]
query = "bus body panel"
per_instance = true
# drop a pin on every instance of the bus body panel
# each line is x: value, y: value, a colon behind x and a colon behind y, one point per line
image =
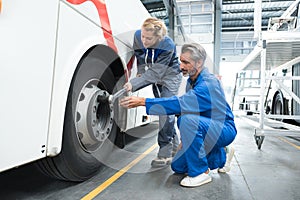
x: 125, y: 18
x: 74, y: 38
x: 87, y: 9
x: 41, y: 47
x: 275, y: 89
x: 26, y: 71
x: 73, y: 46
x: 135, y: 14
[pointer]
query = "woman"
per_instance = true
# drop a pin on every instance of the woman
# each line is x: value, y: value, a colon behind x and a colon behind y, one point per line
x: 158, y: 64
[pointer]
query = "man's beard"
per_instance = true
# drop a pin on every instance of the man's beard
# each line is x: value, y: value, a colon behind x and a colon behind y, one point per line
x: 191, y: 73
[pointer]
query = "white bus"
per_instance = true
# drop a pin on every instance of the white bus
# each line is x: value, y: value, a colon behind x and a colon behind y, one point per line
x: 56, y: 57
x: 268, y: 82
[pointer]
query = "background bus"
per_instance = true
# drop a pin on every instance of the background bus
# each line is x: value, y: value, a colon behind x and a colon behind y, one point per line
x: 277, y: 94
x: 56, y: 58
x: 268, y: 83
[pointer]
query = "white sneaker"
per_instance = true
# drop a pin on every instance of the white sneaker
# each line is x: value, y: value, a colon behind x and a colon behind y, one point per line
x: 229, y: 156
x: 196, y: 181
x: 161, y: 161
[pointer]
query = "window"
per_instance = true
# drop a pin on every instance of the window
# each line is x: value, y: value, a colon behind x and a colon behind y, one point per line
x: 196, y: 8
x: 196, y: 16
x: 237, y: 47
x: 239, y: 44
x: 227, y: 51
x: 207, y: 7
x: 184, y: 9
x: 227, y: 45
x: 201, y: 19
x: 201, y: 28
x: 185, y: 20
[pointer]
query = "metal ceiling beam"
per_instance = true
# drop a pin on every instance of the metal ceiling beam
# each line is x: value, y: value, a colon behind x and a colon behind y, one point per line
x: 154, y: 5
x: 238, y: 15
x: 227, y: 2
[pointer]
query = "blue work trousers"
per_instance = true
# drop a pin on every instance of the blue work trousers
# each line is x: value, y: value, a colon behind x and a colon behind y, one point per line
x: 167, y: 138
x: 203, y: 141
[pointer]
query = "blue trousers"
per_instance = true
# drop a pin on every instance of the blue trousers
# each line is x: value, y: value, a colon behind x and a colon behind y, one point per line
x: 167, y: 138
x: 203, y: 141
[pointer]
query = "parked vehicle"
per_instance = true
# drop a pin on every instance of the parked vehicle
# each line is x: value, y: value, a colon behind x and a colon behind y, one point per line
x: 57, y: 57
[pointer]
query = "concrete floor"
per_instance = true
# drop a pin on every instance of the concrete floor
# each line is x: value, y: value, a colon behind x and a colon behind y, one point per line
x: 270, y: 173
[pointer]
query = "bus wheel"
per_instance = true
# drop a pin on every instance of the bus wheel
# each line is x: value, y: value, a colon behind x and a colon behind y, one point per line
x: 278, y: 105
x: 89, y: 128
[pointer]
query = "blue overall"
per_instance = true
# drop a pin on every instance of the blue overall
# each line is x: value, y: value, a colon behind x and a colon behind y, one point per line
x: 206, y: 124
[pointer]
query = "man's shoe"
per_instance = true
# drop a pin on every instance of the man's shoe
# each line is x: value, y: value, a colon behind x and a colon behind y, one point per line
x: 196, y: 181
x: 229, y: 156
x: 161, y: 162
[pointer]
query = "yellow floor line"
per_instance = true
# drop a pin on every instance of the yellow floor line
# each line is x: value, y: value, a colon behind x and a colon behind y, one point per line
x: 284, y: 140
x: 117, y: 175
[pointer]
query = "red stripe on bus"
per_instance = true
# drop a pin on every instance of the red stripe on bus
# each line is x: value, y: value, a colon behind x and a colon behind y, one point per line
x: 104, y: 20
x: 129, y: 65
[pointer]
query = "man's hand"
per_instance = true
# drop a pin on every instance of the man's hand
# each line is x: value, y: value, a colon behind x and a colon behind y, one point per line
x: 132, y: 102
x: 128, y: 86
x: 179, y: 146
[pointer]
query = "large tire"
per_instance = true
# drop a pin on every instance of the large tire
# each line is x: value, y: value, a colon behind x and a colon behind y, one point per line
x: 278, y: 105
x: 81, y: 140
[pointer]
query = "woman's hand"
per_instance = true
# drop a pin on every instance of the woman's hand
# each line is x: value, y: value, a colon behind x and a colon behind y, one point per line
x: 128, y: 86
x: 132, y: 102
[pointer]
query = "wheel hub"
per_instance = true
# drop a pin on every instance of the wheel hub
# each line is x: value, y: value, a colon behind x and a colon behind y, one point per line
x: 94, y: 118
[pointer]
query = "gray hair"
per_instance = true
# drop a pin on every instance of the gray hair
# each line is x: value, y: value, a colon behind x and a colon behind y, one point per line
x: 196, y: 50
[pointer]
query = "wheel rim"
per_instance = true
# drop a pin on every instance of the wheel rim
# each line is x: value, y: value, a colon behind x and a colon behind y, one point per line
x: 94, y: 118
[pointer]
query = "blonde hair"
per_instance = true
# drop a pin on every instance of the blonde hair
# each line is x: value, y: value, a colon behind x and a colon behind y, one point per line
x: 155, y: 25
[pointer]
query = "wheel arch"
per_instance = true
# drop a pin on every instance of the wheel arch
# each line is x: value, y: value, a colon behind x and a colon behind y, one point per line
x: 61, y: 86
x: 284, y: 101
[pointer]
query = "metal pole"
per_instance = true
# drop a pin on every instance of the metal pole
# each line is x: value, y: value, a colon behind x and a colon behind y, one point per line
x: 262, y: 84
x: 170, y: 10
x: 257, y: 19
x: 217, y: 37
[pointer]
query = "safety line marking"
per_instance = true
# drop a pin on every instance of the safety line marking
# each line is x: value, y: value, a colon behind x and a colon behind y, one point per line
x: 117, y: 175
x: 284, y: 140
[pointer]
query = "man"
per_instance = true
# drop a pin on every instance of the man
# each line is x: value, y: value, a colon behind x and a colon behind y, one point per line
x: 158, y: 64
x: 206, y: 122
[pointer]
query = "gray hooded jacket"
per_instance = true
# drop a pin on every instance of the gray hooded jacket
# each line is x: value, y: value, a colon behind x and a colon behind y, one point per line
x: 157, y: 65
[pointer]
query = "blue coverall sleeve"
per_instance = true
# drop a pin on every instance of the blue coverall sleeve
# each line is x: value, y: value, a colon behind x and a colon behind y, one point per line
x: 205, y: 99
x: 190, y: 102
x: 162, y: 106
